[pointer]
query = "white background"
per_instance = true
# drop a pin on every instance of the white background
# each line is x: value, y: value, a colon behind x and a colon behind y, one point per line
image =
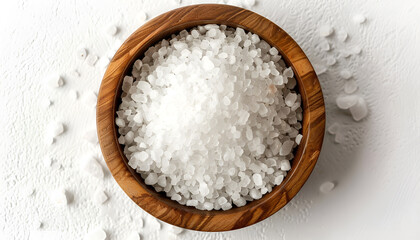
x: 376, y: 167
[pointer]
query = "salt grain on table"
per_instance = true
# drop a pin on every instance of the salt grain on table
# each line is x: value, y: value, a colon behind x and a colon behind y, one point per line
x: 342, y: 35
x: 359, y: 110
x: 100, y: 197
x: 93, y: 167
x: 112, y: 30
x: 359, y: 18
x: 133, y: 236
x: 55, y: 81
x: 81, y: 54
x: 326, y: 30
x: 350, y: 86
x: 346, y: 101
x: 59, y: 197
x: 346, y: 74
x: 96, y: 234
x: 91, y: 60
x: 326, y: 187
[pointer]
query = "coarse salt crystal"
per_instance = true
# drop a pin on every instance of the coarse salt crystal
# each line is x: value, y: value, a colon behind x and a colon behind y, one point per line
x: 96, y: 234
x: 133, y: 236
x: 326, y: 187
x: 81, y: 54
x: 112, y: 30
x: 346, y: 101
x: 93, y: 167
x: 100, y: 197
x: 326, y: 30
x: 55, y: 81
x: 359, y: 18
x: 359, y: 110
x: 59, y: 197
x: 91, y: 60
x: 350, y: 86
x: 346, y: 74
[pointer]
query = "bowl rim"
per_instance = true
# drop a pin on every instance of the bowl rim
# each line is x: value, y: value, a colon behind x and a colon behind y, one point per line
x: 313, y: 124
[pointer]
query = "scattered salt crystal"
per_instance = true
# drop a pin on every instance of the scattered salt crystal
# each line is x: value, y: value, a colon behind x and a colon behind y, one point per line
x: 346, y: 101
x: 93, y: 167
x: 91, y: 136
x: 112, y: 30
x: 46, y: 103
x: 319, y: 68
x: 55, y: 129
x: 176, y: 230
x: 339, y: 136
x: 359, y: 18
x: 326, y: 187
x: 333, y: 128
x: 350, y: 86
x: 96, y: 234
x: 47, y: 161
x: 142, y: 16
x: 74, y: 95
x: 342, y: 35
x: 331, y: 61
x: 90, y: 98
x: 75, y: 73
x: 91, y: 60
x: 356, y: 50
x: 133, y: 236
x: 346, y: 74
x: 28, y: 191
x: 59, y: 197
x: 100, y: 197
x: 103, y: 62
x: 326, y: 30
x: 359, y: 110
x: 81, y: 54
x: 249, y: 3
x: 55, y: 81
x: 324, y: 46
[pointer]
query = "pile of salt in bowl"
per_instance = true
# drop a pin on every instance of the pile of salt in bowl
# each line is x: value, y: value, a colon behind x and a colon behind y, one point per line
x: 211, y: 117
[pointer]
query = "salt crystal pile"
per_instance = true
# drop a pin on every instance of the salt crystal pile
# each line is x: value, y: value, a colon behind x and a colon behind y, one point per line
x: 96, y: 234
x: 210, y: 117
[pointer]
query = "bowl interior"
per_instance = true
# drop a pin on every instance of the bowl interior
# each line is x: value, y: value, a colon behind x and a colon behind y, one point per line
x: 305, y: 155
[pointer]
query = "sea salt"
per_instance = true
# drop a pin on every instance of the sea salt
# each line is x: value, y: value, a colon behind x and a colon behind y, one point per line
x: 359, y: 110
x: 326, y: 187
x: 91, y: 60
x: 326, y: 30
x: 100, y: 197
x: 205, y: 115
x: 91, y: 136
x: 346, y: 74
x: 55, y: 81
x: 342, y: 35
x: 96, y: 234
x: 112, y: 30
x: 359, y: 18
x: 350, y: 86
x: 346, y: 101
x: 91, y: 166
x: 133, y: 236
x: 81, y: 54
x: 59, y: 197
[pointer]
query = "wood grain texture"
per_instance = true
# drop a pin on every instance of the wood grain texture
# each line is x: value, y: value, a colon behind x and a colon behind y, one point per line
x: 156, y: 203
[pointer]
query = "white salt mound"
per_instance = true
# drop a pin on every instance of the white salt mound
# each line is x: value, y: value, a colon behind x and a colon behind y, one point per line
x: 210, y: 117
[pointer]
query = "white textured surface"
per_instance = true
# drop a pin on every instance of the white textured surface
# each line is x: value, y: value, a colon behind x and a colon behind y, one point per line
x: 375, y: 168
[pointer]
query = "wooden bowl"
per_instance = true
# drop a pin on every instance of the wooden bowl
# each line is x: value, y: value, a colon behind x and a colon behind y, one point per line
x: 157, y: 204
